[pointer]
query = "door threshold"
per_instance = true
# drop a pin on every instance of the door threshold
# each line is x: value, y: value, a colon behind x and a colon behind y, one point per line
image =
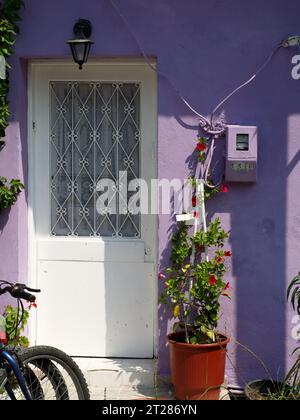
x: 116, y: 372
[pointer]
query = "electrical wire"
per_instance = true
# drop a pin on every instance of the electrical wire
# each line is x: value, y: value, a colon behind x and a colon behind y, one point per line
x: 205, y: 120
x: 212, y: 148
x: 260, y: 69
x: 206, y: 124
x: 208, y: 163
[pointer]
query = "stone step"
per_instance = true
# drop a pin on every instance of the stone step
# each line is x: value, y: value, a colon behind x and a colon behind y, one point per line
x: 127, y: 379
x: 101, y: 372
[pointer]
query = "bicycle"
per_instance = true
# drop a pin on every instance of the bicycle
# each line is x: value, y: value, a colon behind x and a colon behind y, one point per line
x: 39, y: 372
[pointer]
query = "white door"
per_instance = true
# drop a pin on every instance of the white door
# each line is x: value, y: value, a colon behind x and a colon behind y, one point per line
x: 95, y: 263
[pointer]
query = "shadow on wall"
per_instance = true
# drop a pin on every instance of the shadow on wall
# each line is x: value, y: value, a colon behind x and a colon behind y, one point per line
x: 4, y: 216
x: 257, y: 216
x: 257, y: 220
x: 205, y: 60
x: 5, y: 300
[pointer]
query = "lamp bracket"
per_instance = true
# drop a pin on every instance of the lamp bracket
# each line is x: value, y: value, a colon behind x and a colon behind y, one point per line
x: 83, y: 28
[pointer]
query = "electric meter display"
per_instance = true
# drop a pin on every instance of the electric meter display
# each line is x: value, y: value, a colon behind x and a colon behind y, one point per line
x: 242, y: 142
x: 241, y: 160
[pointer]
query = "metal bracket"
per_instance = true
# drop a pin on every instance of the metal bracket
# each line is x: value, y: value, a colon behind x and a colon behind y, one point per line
x: 83, y: 28
x: 292, y: 41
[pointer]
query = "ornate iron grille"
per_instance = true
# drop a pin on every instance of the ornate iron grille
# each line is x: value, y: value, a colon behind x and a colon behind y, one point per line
x: 94, y: 135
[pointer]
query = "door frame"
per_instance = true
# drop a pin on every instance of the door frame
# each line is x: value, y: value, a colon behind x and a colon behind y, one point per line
x: 33, y: 65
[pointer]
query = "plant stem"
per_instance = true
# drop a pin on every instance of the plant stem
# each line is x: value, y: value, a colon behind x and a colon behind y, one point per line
x: 187, y: 339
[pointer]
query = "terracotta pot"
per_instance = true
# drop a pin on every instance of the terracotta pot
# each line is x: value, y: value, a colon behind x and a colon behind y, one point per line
x: 197, y: 370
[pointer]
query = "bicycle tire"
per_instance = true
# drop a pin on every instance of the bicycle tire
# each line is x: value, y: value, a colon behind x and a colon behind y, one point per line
x: 44, y: 357
x: 10, y: 383
x: 56, y: 379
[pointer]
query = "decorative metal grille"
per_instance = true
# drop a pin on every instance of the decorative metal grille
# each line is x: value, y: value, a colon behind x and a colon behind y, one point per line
x: 94, y: 134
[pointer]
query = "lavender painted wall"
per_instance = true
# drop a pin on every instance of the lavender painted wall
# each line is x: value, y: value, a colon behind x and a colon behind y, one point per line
x: 206, y: 47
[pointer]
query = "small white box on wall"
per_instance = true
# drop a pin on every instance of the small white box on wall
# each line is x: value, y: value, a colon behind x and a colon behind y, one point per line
x: 241, y: 153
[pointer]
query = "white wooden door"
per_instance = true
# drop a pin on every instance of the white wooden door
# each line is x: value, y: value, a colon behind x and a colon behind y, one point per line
x: 96, y: 268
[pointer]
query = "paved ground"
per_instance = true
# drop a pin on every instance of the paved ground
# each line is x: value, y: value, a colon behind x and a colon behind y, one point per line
x: 126, y: 379
x: 133, y: 393
x: 129, y: 393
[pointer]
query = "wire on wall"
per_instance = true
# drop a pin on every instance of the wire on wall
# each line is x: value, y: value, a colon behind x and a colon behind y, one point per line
x: 252, y: 78
x: 207, y: 124
x: 148, y: 61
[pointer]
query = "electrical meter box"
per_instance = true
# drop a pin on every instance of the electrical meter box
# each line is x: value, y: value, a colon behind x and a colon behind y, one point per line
x: 241, y: 157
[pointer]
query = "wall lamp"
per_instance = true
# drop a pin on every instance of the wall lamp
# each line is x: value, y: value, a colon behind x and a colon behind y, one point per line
x: 81, y: 44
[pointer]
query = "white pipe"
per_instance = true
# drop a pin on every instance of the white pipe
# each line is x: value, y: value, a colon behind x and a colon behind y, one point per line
x: 200, y: 187
x: 200, y: 197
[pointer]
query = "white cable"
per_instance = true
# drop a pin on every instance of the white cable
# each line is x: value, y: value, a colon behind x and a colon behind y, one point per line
x: 203, y: 213
x: 207, y: 125
x: 117, y: 10
x: 212, y: 148
x: 261, y: 68
x: 208, y: 165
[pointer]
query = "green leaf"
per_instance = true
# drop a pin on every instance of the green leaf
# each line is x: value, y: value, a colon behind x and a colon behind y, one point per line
x: 194, y: 340
x: 162, y: 299
x: 203, y: 329
x: 211, y: 335
x: 12, y: 318
x: 176, y: 326
x: 9, y: 194
x: 176, y: 311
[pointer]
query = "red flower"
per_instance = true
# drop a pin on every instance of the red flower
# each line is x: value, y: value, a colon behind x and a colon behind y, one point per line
x: 194, y: 201
x: 212, y: 280
x: 228, y: 254
x: 227, y: 286
x: 161, y: 276
x: 219, y: 260
x: 32, y: 305
x: 201, y: 147
x: 224, y: 188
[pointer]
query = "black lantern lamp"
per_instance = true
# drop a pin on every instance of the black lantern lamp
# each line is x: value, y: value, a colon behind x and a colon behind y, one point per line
x: 81, y: 45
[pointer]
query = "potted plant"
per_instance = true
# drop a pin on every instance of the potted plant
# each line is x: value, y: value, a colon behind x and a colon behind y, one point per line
x: 268, y: 389
x: 289, y: 388
x: 11, y: 328
x: 14, y: 326
x: 194, y: 286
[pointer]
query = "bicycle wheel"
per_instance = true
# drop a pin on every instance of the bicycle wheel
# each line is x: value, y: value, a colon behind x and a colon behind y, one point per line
x: 50, y: 374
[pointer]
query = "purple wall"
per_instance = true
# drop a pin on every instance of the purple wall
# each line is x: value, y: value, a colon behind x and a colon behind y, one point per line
x: 206, y: 47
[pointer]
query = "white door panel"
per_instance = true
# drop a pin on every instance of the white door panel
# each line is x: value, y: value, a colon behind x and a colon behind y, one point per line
x: 100, y: 309
x: 90, y: 250
x: 98, y: 292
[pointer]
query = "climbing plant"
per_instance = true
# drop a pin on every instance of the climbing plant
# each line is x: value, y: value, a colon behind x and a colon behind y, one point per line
x: 9, y: 18
x: 195, y: 280
x: 9, y: 192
